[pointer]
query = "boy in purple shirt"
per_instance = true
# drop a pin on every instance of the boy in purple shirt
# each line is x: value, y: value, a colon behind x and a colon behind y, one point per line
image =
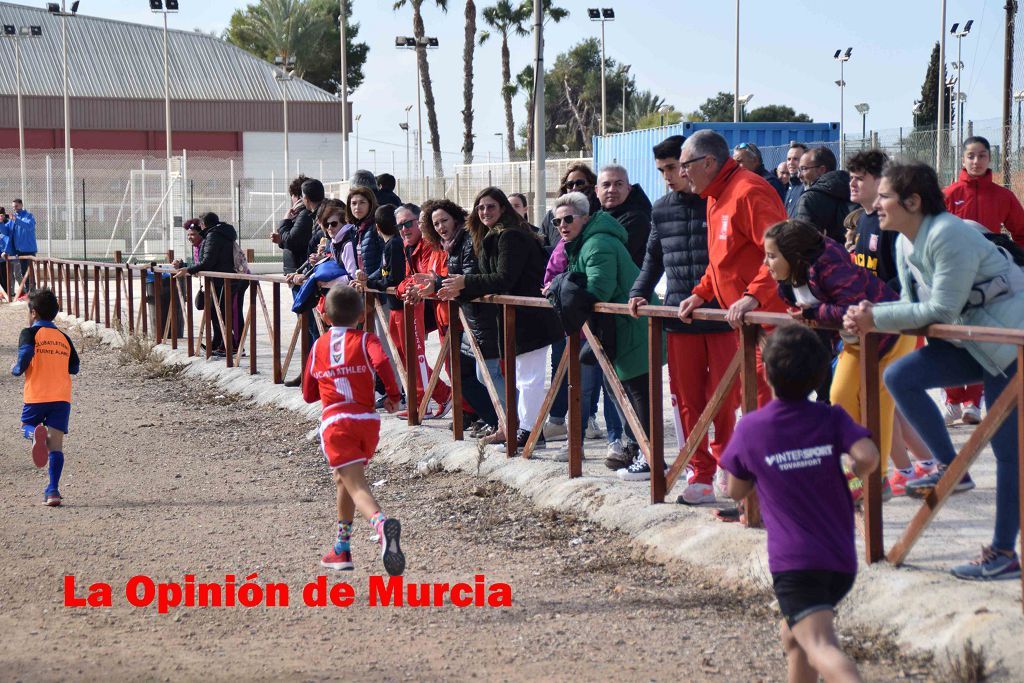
x: 790, y: 451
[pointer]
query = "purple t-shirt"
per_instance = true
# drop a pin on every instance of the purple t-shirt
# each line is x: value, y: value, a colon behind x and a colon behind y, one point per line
x: 791, y: 450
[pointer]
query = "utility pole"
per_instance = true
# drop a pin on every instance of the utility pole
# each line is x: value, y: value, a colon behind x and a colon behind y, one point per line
x: 940, y: 121
x: 1011, y: 11
x: 540, y: 180
x: 736, y: 92
x: 342, y: 28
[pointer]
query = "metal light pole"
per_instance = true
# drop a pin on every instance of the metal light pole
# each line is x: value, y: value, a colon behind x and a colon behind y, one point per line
x: 1018, y: 97
x: 17, y: 35
x: 941, y: 117
x: 502, y: 142
x: 842, y: 58
x: 286, y: 65
x: 374, y: 153
x: 959, y: 34
x: 161, y: 7
x: 408, y: 161
x: 342, y: 30
x: 605, y: 14
x: 736, y: 92
x: 863, y: 108
x: 356, y: 118
x: 743, y: 102
x: 539, y: 145
x: 69, y: 190
x: 410, y: 43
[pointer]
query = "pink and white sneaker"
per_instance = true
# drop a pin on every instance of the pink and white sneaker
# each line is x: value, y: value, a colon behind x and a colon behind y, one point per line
x: 340, y: 561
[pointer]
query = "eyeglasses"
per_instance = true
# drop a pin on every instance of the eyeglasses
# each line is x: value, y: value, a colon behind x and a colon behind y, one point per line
x: 568, y: 220
x: 573, y: 184
x: 407, y: 224
x: 684, y: 164
x: 333, y: 224
x: 808, y: 168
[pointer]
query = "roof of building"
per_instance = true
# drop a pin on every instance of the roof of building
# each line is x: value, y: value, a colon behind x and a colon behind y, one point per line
x: 117, y: 59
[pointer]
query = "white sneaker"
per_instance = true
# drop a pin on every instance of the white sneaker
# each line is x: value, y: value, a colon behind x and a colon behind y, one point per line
x: 697, y: 494
x: 951, y: 413
x: 616, y: 457
x: 554, y: 431
x: 721, y: 480
x: 593, y: 431
x: 562, y: 454
x: 971, y: 414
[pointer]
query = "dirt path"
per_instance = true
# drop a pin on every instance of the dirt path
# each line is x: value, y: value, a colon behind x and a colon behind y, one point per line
x: 166, y: 477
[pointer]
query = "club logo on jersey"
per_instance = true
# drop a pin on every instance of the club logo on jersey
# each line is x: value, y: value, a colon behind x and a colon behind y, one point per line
x: 873, y: 243
x: 337, y: 348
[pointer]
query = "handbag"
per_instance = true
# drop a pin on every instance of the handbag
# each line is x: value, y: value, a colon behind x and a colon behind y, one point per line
x: 200, y: 299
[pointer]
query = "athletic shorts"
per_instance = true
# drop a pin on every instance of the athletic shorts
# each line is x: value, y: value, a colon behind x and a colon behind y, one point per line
x: 348, y: 438
x: 55, y: 414
x: 801, y: 593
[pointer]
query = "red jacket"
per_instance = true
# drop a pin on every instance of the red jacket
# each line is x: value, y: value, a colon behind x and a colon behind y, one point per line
x: 980, y: 199
x: 426, y: 258
x: 741, y: 208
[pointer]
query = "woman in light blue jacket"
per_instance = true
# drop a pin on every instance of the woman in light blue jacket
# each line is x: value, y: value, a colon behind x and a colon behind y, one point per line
x: 952, y: 274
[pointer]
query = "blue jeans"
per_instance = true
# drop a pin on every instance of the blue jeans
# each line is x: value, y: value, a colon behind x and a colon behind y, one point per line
x: 494, y: 368
x: 941, y: 364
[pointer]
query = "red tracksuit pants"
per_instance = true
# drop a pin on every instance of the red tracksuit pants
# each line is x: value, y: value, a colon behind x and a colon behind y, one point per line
x: 396, y: 324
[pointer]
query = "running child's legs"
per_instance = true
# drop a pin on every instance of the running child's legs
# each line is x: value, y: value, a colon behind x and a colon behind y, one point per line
x: 815, y: 638
x: 354, y: 493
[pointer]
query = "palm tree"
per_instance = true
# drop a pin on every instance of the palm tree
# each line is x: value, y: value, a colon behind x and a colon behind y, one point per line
x: 467, y: 82
x: 524, y: 84
x: 419, y: 32
x: 273, y: 28
x: 505, y: 19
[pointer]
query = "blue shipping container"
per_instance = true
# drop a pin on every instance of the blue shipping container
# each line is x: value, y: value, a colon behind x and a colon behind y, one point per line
x: 633, y: 149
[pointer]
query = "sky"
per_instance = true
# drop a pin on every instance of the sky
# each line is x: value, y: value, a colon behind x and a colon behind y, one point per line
x: 682, y: 50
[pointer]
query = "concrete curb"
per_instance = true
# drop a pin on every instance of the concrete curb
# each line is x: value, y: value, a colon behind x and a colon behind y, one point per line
x: 923, y: 609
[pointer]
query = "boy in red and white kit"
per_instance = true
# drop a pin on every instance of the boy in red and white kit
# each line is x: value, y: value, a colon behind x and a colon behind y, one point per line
x: 340, y: 374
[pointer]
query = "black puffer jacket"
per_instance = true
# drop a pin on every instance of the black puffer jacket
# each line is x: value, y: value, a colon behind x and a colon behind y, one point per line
x: 512, y: 262
x: 634, y: 215
x: 217, y: 253
x: 295, y: 235
x: 371, y: 247
x: 678, y: 247
x: 482, y: 318
x: 826, y: 203
x: 773, y: 180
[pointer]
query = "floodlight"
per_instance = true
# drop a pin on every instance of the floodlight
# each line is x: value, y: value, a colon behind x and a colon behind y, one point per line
x: 172, y: 5
x: 955, y: 27
x: 53, y: 8
x: 23, y: 31
x: 836, y: 55
x: 36, y: 30
x: 74, y: 7
x: 862, y: 108
x: 432, y: 42
x: 9, y: 30
x: 608, y: 13
x: 849, y: 51
x: 594, y: 13
x: 156, y: 5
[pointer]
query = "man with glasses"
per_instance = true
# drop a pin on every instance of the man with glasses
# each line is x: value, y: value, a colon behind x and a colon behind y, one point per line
x: 629, y: 205
x: 796, y: 186
x: 747, y: 155
x: 825, y: 203
x: 741, y: 207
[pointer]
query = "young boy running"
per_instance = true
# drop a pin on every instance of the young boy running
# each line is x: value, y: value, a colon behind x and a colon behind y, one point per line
x: 789, y: 451
x: 340, y: 374
x: 47, y: 358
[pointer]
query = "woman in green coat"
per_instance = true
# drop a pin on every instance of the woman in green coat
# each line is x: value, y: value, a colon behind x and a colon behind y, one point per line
x: 596, y: 246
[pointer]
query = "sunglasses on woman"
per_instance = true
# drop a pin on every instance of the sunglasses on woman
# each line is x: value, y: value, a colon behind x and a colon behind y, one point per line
x: 333, y: 224
x: 568, y: 220
x: 573, y: 184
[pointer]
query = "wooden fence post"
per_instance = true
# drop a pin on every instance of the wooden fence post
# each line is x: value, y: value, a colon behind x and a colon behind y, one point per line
x: 870, y: 414
x: 509, y: 363
x: 411, y: 367
x: 656, y: 429
x: 574, y: 423
x: 455, y: 368
x: 748, y: 377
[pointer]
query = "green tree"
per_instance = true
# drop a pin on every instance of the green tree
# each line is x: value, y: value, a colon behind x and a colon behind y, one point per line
x: 505, y: 19
x: 717, y: 108
x: 419, y: 32
x: 666, y: 116
x: 468, y: 47
x: 775, y: 113
x: 304, y: 29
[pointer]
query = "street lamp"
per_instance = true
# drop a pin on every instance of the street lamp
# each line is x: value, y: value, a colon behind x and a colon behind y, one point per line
x: 502, y: 142
x: 343, y: 78
x: 17, y: 35
x: 374, y: 153
x: 842, y: 58
x: 959, y: 35
x: 411, y: 43
x: 605, y: 14
x: 356, y: 118
x: 743, y: 101
x: 285, y: 68
x: 405, y: 127
x: 164, y: 8
x: 69, y: 197
x: 951, y: 116
x: 662, y: 110
x: 916, y: 110
x: 624, y: 71
x: 736, y: 91
x: 863, y: 108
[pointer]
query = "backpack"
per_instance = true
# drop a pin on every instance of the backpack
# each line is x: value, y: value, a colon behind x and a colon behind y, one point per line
x: 241, y: 263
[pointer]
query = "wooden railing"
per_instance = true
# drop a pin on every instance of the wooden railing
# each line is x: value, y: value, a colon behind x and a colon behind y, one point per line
x: 70, y: 280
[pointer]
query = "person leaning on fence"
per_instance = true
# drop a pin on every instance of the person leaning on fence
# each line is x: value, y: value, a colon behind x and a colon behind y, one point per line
x: 975, y: 196
x: 790, y: 452
x: 336, y: 267
x: 796, y: 185
x: 340, y: 374
x: 295, y: 229
x: 578, y: 177
x: 817, y: 278
x: 217, y: 255
x: 741, y: 206
x: 447, y: 227
x: 698, y: 353
x: 20, y: 230
x: 950, y: 273
x: 512, y: 260
x: 597, y: 247
x: 747, y: 155
x: 5, y: 248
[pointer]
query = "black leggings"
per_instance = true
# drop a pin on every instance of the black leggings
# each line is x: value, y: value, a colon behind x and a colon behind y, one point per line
x: 637, y: 392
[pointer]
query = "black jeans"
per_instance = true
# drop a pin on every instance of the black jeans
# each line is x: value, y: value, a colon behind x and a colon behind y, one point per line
x: 474, y: 392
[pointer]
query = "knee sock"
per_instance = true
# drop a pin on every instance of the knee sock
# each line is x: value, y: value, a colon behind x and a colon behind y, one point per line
x: 377, y: 521
x: 56, y: 467
x: 344, y: 536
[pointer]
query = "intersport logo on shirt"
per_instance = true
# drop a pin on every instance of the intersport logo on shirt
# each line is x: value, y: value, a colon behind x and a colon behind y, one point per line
x: 799, y: 457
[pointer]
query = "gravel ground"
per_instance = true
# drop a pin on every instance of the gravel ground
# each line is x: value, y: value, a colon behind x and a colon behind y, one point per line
x: 167, y: 477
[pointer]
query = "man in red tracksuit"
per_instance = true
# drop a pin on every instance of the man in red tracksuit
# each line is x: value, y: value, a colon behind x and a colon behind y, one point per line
x: 741, y: 207
x: 974, y: 196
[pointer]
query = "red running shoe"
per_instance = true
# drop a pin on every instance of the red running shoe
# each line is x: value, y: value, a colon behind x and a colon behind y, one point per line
x: 334, y: 560
x: 40, y: 453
